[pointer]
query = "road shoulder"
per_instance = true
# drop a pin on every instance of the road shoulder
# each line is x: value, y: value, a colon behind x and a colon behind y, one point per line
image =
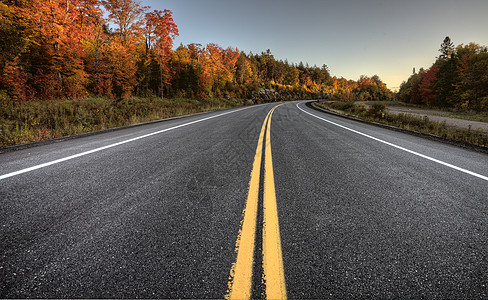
x: 465, y: 145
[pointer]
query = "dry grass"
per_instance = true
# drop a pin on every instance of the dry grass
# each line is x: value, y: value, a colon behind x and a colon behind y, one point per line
x: 29, y: 121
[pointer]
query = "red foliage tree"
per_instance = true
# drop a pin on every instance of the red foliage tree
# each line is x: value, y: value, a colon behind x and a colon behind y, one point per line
x: 426, y: 86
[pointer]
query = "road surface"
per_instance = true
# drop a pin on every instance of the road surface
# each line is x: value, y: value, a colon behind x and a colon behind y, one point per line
x: 260, y: 201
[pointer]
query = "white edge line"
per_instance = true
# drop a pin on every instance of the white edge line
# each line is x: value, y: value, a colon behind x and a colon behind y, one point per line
x: 112, y: 145
x: 399, y: 147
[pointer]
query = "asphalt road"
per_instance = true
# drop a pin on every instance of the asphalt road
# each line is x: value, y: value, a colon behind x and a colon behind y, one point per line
x: 155, y: 211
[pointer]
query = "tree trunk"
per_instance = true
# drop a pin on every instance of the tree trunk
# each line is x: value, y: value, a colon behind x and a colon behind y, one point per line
x: 161, y: 74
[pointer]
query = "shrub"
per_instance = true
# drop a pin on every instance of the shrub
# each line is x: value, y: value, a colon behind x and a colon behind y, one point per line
x: 377, y: 110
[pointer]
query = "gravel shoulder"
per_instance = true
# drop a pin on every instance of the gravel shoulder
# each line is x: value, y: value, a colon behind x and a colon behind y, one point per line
x: 436, y: 115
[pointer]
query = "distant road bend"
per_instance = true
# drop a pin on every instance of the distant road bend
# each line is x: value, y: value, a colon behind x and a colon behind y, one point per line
x: 267, y: 201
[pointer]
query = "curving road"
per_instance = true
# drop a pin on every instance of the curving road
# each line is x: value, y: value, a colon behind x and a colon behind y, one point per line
x: 334, y: 209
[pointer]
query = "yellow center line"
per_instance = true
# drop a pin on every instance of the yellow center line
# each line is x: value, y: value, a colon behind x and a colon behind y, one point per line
x: 273, y: 270
x: 240, y: 279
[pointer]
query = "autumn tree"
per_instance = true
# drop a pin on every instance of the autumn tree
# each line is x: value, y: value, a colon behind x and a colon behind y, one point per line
x: 53, y: 33
x: 14, y: 34
x: 426, y: 87
x: 409, y: 90
x: 186, y: 80
x: 291, y: 75
x: 224, y: 61
x: 160, y: 32
x: 320, y: 75
x: 458, y: 78
x: 471, y: 88
x: 127, y: 16
x: 244, y: 71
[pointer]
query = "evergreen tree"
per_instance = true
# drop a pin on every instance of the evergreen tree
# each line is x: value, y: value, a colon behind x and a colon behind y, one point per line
x: 447, y: 48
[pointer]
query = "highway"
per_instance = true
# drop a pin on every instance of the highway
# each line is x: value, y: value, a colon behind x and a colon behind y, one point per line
x: 267, y: 201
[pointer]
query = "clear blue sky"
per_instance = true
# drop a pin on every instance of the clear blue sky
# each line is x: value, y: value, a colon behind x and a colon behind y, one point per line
x: 353, y: 37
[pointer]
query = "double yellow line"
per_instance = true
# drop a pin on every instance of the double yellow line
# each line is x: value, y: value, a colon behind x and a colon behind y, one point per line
x: 240, y: 281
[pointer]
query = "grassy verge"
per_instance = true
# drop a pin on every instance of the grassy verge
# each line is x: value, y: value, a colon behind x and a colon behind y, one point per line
x: 479, y: 117
x: 29, y: 121
x: 377, y: 113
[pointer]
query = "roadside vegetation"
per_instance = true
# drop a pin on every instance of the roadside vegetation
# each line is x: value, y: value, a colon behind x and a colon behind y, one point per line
x: 376, y: 112
x: 471, y: 116
x: 458, y: 79
x: 456, y: 84
x: 29, y: 121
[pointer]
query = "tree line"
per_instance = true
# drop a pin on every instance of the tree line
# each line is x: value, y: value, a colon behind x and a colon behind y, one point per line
x: 65, y: 49
x: 458, y: 78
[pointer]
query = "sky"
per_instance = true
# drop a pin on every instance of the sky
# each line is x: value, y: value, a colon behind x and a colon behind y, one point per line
x: 387, y: 38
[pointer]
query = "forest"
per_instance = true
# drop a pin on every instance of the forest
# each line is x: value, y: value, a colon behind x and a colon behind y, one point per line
x: 117, y: 49
x: 457, y: 79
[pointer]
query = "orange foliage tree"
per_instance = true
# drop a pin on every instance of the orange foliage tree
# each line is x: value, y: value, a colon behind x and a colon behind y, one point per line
x: 55, y: 31
x: 127, y: 15
x: 160, y: 33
